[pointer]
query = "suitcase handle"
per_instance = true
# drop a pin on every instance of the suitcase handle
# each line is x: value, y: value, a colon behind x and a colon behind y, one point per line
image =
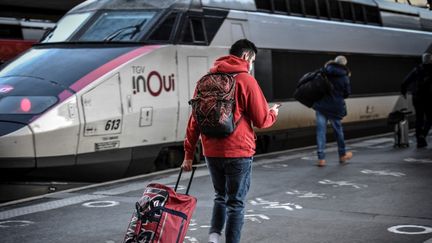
x: 190, y: 180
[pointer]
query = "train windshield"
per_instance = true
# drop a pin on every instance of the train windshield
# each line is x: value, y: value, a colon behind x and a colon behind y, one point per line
x: 118, y: 26
x: 106, y: 26
x: 66, y: 27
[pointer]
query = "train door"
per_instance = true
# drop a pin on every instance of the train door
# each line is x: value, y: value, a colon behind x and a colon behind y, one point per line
x: 193, y: 63
x: 103, y: 117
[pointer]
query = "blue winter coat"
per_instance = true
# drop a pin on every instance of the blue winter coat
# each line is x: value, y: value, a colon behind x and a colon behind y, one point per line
x: 333, y: 106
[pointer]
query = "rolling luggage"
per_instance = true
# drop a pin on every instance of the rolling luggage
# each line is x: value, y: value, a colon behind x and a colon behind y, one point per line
x: 401, y: 134
x: 162, y: 215
x: 401, y: 127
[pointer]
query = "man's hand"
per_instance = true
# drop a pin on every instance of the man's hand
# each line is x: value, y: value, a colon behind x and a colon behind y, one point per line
x: 275, y: 108
x: 187, y: 165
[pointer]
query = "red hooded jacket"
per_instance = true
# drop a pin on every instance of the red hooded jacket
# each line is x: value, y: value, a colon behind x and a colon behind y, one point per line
x: 251, y: 108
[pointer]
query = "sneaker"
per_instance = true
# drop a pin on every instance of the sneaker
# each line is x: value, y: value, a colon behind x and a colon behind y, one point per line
x: 321, y: 163
x: 344, y: 158
x: 214, y: 238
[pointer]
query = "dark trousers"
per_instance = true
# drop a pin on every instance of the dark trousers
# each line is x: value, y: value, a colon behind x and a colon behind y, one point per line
x: 231, y: 181
x: 423, y: 110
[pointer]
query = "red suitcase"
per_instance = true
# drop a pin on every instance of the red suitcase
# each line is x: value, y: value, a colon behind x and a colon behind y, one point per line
x: 162, y: 215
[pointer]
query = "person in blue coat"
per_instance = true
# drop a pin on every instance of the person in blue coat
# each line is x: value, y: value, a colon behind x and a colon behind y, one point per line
x: 332, y: 108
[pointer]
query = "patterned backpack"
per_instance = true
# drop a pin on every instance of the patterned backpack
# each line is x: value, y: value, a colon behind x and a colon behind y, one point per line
x: 214, y: 103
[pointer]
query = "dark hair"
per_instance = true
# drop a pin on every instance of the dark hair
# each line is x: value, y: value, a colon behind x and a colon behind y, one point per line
x: 242, y: 46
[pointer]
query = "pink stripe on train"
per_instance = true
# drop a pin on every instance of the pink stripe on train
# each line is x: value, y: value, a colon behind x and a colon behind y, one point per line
x: 107, y: 67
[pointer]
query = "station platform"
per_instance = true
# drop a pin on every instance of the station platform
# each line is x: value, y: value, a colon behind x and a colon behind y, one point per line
x: 383, y: 195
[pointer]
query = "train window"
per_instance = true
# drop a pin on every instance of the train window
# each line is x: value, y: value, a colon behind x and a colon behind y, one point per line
x: 194, y: 31
x: 372, y: 15
x: 26, y: 104
x: 66, y: 27
x: 310, y: 7
x: 187, y: 33
x: 163, y: 32
x: 347, y: 11
x: 10, y: 31
x: 198, y: 29
x: 289, y: 67
x: 213, y: 20
x: 323, y: 8
x: 118, y: 26
x: 280, y: 6
x: 263, y: 5
x: 296, y: 6
x: 335, y: 9
x: 212, y: 25
x: 359, y: 13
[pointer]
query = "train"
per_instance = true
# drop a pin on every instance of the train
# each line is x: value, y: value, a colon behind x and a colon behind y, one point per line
x: 105, y: 93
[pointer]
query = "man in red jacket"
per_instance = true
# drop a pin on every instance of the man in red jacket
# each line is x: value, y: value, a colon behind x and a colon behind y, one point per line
x: 229, y: 159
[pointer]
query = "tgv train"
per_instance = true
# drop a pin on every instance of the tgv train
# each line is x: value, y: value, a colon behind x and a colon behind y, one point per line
x: 106, y: 92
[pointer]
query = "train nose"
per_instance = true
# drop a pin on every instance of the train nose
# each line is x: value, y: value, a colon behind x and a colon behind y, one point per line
x: 16, y: 146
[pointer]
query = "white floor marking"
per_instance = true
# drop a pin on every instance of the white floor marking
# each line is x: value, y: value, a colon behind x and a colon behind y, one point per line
x: 100, y: 204
x: 274, y: 205
x: 256, y: 217
x: 383, y: 173
x: 342, y: 183
x: 15, y: 223
x: 193, y: 222
x: 418, y: 160
x: 398, y: 229
x: 303, y: 194
x: 275, y: 166
x: 191, y: 239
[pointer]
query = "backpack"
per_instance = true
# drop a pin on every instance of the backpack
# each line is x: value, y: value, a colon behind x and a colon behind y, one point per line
x: 313, y: 86
x: 214, y: 103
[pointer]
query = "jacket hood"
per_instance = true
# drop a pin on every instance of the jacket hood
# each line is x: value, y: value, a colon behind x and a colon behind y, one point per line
x: 230, y: 64
x: 335, y: 69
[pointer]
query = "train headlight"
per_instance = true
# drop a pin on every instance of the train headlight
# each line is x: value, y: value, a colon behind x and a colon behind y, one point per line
x: 26, y: 104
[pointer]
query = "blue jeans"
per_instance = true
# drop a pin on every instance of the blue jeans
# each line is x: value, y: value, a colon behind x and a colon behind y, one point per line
x: 321, y: 127
x: 231, y: 181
